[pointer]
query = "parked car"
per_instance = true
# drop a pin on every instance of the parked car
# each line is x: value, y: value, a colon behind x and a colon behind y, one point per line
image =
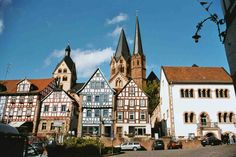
x: 212, y: 140
x: 158, y: 145
x: 130, y: 146
x: 174, y: 145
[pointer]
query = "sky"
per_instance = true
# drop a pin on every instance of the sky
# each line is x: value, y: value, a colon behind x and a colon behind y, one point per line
x: 34, y: 35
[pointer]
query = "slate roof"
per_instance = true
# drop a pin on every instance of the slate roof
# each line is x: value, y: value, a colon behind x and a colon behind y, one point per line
x: 152, y: 76
x: 77, y: 87
x: 138, y: 49
x: 11, y: 85
x: 201, y: 75
x: 122, y: 47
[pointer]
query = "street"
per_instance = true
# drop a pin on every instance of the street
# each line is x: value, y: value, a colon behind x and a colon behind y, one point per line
x: 208, y: 151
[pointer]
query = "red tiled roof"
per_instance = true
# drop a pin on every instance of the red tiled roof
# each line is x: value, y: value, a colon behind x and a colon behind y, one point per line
x: 11, y: 85
x: 197, y: 75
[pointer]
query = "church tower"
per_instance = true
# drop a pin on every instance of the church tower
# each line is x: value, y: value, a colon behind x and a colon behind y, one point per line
x: 120, y: 63
x: 65, y: 71
x: 138, y: 59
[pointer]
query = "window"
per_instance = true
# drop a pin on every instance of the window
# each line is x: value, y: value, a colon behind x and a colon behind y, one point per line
x: 119, y: 115
x: 131, y: 102
x: 30, y: 99
x: 191, y: 93
x: 122, y: 69
x: 97, y: 113
x: 142, y: 103
x: 52, y: 126
x: 204, y: 93
x: 63, y: 108
x: 92, y: 85
x: 142, y: 115
x: 64, y: 78
x: 191, y: 117
x: 105, y: 113
x: 225, y: 117
x: 97, y: 98
x: 186, y: 93
x: 137, y: 62
x: 65, y: 70
x: 97, y: 75
x: 89, y: 98
x: 231, y: 117
x: 97, y: 85
x: 219, y: 117
x: 22, y: 98
x: 217, y: 93
x: 13, y: 99
x: 199, y: 93
x: 46, y: 108
x: 140, y: 130
x: 131, y: 91
x: 59, y: 70
x: 11, y: 112
x: 182, y: 93
x: 19, y: 112
x: 131, y: 116
x: 102, y: 84
x: 89, y: 113
x: 28, y: 112
x: 54, y: 108
x: 23, y: 87
x: 105, y: 98
x: 226, y: 93
x: 208, y: 93
x: 186, y: 117
x: 222, y: 93
x: 44, y: 126
x: 119, y: 102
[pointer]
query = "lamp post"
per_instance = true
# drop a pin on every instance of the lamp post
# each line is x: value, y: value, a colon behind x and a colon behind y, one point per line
x: 112, y: 133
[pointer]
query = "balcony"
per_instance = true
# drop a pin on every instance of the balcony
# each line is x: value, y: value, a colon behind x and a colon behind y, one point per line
x: 208, y: 125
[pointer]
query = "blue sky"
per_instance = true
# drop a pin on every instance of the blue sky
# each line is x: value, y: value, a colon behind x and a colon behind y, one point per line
x: 34, y: 34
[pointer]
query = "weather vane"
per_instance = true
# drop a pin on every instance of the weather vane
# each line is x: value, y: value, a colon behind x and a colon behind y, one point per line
x: 212, y: 17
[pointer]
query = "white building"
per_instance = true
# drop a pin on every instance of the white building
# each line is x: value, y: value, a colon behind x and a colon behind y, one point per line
x: 197, y: 101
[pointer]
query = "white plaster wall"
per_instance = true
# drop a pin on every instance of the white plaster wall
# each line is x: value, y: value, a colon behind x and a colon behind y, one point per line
x: 198, y: 105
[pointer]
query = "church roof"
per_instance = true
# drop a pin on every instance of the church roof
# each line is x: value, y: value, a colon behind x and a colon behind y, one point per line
x: 39, y: 84
x: 122, y: 47
x: 152, y: 76
x: 202, y: 75
x: 138, y: 49
x: 77, y: 87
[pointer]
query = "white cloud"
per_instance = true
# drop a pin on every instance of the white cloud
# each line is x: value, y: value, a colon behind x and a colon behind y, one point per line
x: 86, y: 60
x: 1, y: 26
x: 115, y: 32
x: 117, y: 19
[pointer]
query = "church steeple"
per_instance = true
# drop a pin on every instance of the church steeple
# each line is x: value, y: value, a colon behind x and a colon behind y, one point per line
x: 138, y: 49
x: 67, y: 50
x: 122, y: 47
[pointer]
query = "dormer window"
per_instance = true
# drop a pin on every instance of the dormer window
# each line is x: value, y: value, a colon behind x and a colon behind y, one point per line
x: 23, y: 86
x: 65, y: 70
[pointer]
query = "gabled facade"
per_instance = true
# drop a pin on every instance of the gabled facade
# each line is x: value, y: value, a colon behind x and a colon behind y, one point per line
x: 59, y: 114
x: 132, y: 118
x: 65, y: 71
x: 118, y: 81
x: 96, y: 107
x: 199, y: 99
x: 22, y: 101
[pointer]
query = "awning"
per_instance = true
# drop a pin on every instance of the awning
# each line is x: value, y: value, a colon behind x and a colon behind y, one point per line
x: 16, y: 124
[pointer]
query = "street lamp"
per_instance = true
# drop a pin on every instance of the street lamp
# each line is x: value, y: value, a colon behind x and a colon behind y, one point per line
x: 214, y: 18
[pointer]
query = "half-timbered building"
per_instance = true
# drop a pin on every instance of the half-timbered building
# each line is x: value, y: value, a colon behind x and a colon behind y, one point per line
x: 132, y: 118
x: 22, y: 101
x: 59, y: 114
x: 97, y: 106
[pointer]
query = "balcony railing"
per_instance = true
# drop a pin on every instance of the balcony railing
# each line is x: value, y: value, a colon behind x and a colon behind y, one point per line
x: 208, y: 125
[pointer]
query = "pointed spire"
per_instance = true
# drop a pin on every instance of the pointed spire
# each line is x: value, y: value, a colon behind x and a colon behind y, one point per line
x: 137, y: 39
x: 67, y: 50
x: 122, y: 47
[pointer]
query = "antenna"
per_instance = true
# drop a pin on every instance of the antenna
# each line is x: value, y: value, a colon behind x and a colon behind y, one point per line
x: 7, y: 70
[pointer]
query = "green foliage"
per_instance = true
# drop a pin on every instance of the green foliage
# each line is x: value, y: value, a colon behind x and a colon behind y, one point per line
x: 152, y: 89
x: 80, y: 142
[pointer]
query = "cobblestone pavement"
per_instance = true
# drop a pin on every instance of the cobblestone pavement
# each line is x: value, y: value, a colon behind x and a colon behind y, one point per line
x: 208, y: 151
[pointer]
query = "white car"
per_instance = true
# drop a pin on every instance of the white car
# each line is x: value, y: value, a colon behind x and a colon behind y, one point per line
x: 130, y: 146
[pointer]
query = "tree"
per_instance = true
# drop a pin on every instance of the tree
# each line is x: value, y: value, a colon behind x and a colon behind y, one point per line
x: 152, y: 90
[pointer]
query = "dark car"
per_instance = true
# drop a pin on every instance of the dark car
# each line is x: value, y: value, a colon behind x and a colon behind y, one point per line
x: 175, y: 145
x: 158, y: 145
x: 212, y: 140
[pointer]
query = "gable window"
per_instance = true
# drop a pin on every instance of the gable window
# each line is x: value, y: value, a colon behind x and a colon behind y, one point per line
x: 105, y: 98
x: 131, y: 102
x: 97, y: 98
x: 44, y: 126
x: 23, y: 87
x: 97, y: 85
x: 65, y: 70
x: 46, y: 108
x: 89, y: 113
x: 142, y: 102
x: 97, y: 75
x: 54, y: 108
x: 89, y: 98
x: 102, y: 84
x: 59, y: 70
x: 63, y: 108
x: 131, y: 91
x: 105, y: 113
x: 131, y: 116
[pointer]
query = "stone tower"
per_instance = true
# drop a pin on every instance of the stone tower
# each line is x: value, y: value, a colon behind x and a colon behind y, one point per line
x: 65, y: 71
x: 138, y: 59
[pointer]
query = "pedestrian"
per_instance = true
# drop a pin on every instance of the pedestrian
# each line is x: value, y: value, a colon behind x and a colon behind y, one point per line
x: 231, y: 139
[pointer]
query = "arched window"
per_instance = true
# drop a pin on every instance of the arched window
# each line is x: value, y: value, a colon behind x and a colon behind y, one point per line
x: 182, y: 93
x: 225, y: 117
x: 122, y: 69
x: 221, y: 93
x: 203, y: 118
x: 219, y: 117
x: 186, y: 93
x: 204, y: 93
x: 191, y: 117
x: 217, y: 93
x: 208, y: 93
x: 191, y: 93
x: 117, y: 82
x: 226, y: 93
x: 199, y: 93
x: 59, y: 70
x: 137, y: 62
x: 120, y: 83
x: 186, y: 117
x: 231, y: 117
x: 65, y: 70
x: 64, y: 78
